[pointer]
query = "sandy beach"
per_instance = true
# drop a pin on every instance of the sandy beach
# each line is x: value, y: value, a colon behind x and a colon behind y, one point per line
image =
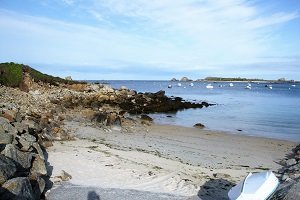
x: 179, y: 161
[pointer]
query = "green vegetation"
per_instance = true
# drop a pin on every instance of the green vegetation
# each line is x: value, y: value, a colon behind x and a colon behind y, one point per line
x: 230, y: 79
x: 11, y: 74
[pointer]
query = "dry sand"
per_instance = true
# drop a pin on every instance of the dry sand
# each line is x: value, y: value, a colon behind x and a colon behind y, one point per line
x: 163, y: 159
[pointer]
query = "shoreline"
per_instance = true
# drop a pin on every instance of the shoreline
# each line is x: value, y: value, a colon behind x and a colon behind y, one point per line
x: 163, y: 158
x: 235, y: 133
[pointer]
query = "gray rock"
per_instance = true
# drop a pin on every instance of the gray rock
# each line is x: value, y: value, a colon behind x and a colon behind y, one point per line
x: 2, y: 130
x: 17, y: 189
x: 7, y: 169
x: 38, y: 185
x: 199, y: 125
x: 28, y: 137
x: 284, y: 177
x: 39, y: 150
x: 295, y: 167
x: 18, y: 117
x: 146, y: 117
x: 64, y: 176
x: 291, y: 161
x: 7, y: 127
x: 21, y: 127
x: 38, y: 166
x: 26, y: 140
x: 23, y: 158
x: 288, y: 191
x: 6, y: 138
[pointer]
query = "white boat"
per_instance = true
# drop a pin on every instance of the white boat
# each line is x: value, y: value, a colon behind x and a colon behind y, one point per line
x: 179, y: 84
x: 293, y: 85
x: 169, y: 86
x: 256, y: 186
x: 248, y: 87
x: 191, y: 84
x: 230, y: 84
x: 209, y: 86
x: 270, y: 87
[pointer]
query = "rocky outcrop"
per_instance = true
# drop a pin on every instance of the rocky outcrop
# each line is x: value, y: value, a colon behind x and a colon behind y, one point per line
x: 199, y: 125
x: 289, y: 188
x: 291, y: 166
x: 185, y: 79
x: 174, y: 79
x: 23, y: 170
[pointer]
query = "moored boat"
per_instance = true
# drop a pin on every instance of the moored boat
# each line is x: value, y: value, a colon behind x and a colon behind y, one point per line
x: 209, y: 86
x: 256, y: 186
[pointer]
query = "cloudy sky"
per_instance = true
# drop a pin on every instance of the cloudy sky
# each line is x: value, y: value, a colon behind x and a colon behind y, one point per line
x: 153, y: 39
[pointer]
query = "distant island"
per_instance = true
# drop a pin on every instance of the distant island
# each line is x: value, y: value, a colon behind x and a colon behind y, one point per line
x: 238, y: 79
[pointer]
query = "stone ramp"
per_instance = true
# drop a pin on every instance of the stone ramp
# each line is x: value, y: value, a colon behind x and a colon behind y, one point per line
x: 68, y: 191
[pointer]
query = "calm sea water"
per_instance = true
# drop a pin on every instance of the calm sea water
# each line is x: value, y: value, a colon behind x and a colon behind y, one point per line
x: 273, y: 113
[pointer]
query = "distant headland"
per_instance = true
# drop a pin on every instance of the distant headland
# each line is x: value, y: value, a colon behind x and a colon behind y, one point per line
x: 238, y: 79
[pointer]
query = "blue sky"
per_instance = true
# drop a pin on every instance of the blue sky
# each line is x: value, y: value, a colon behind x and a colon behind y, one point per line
x: 154, y: 40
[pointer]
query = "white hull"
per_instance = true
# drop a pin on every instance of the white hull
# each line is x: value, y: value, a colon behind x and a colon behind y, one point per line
x: 209, y: 86
x: 257, y: 186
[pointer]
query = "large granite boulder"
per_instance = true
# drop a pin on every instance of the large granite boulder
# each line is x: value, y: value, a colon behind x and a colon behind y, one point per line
x: 17, y: 189
x: 7, y: 169
x: 22, y: 158
x: 38, y: 166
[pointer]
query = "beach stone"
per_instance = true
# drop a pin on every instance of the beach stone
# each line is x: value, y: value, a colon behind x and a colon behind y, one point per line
x: 6, y: 138
x: 23, y: 158
x: 291, y: 161
x: 147, y: 118
x: 17, y: 189
x: 38, y: 166
x: 199, y: 125
x: 221, y: 175
x: 64, y: 176
x: 7, y: 169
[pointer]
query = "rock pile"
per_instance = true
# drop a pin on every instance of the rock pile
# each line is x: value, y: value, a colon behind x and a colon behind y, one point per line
x: 289, y: 188
x: 291, y: 166
x: 23, y: 172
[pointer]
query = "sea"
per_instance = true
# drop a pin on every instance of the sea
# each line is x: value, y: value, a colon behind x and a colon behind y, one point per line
x: 265, y: 110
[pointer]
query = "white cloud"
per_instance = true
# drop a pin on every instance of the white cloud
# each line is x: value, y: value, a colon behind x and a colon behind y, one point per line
x: 68, y: 2
x: 173, y: 35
